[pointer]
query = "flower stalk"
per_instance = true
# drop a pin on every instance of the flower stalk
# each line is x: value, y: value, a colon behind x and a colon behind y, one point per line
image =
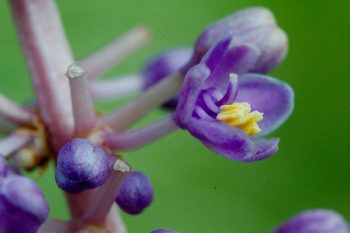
x: 104, y: 59
x: 48, y: 55
x: 103, y: 200
x: 116, y: 88
x: 137, y: 109
x: 83, y: 109
x: 14, y: 112
x: 135, y: 139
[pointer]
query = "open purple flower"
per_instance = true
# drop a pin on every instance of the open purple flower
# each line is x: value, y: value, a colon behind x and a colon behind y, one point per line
x: 315, y: 221
x: 225, y: 111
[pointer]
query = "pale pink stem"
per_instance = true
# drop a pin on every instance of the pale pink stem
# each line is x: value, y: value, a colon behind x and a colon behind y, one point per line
x: 114, y: 220
x: 105, y: 197
x: 107, y: 57
x: 14, y: 112
x: 13, y: 143
x: 83, y: 109
x: 140, y: 137
x: 54, y: 226
x: 48, y: 56
x: 116, y: 88
x: 129, y: 114
x: 6, y: 126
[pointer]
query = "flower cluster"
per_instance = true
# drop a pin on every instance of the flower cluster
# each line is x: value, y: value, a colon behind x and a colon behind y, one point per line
x: 218, y: 91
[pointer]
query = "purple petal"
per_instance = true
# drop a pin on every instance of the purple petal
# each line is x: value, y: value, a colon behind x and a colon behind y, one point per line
x: 265, y: 149
x: 214, y: 56
x: 315, y: 221
x: 223, y: 139
x: 275, y: 99
x: 238, y: 60
x: 189, y: 93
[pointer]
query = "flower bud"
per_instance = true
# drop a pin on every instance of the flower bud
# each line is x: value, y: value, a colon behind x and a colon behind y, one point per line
x: 136, y: 193
x: 23, y: 207
x: 273, y: 51
x: 315, y: 221
x: 252, y: 25
x: 255, y: 26
x: 164, y: 231
x: 163, y: 65
x: 81, y: 165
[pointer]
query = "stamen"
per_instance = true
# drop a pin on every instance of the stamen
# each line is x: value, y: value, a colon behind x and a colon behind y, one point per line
x: 240, y: 115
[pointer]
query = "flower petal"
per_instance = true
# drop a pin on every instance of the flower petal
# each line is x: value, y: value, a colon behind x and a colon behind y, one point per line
x: 223, y: 139
x: 214, y: 56
x: 315, y: 221
x: 275, y: 99
x: 189, y: 92
x: 265, y: 149
x: 237, y: 60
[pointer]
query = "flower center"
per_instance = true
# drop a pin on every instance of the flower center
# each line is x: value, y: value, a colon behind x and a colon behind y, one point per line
x: 240, y: 115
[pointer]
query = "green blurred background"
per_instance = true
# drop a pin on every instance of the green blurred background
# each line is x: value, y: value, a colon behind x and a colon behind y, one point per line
x: 196, y: 190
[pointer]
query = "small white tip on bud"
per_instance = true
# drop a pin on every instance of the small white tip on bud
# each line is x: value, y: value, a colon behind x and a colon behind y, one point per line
x: 75, y: 71
x: 121, y: 166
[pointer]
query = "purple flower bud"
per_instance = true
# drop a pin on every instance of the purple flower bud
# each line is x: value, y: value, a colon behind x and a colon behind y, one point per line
x: 163, y: 231
x: 81, y: 165
x: 273, y: 51
x: 136, y: 193
x: 315, y: 221
x: 255, y: 26
x: 163, y: 65
x: 251, y: 25
x: 23, y: 207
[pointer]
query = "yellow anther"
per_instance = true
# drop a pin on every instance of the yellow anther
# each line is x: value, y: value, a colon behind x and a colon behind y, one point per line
x: 240, y: 115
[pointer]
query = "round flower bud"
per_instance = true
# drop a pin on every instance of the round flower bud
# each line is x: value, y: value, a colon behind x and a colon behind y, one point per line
x: 315, y: 221
x: 81, y: 165
x: 135, y: 194
x: 164, y: 231
x: 163, y: 65
x: 23, y: 207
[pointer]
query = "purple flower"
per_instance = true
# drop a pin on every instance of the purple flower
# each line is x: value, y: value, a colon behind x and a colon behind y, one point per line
x: 81, y: 165
x: 225, y: 111
x: 163, y: 231
x: 136, y: 193
x: 23, y: 207
x: 163, y: 65
x: 315, y: 221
